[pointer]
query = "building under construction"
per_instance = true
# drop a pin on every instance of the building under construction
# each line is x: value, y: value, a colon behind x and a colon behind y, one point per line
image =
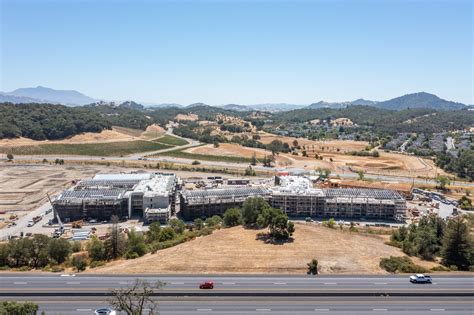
x: 297, y: 197
x: 123, y: 195
x: 205, y: 203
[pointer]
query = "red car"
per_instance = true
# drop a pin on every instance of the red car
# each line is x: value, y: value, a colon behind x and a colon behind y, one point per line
x: 207, y: 285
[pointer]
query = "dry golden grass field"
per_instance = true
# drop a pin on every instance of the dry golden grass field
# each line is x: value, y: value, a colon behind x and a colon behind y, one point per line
x: 236, y: 250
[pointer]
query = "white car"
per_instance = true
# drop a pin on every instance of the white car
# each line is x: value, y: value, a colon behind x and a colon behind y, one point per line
x: 105, y: 311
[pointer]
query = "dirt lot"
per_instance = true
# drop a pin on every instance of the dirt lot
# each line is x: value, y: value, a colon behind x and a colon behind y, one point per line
x: 317, y: 146
x: 23, y: 188
x: 236, y: 250
x: 386, y: 164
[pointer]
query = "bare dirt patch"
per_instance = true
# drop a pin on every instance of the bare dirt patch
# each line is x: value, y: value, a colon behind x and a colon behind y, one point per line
x: 23, y: 188
x: 191, y: 117
x: 153, y: 131
x: 236, y: 250
x: 88, y: 137
x: 231, y: 149
x: 318, y: 146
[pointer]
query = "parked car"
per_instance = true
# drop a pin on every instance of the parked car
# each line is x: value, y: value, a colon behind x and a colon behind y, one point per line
x: 420, y: 278
x: 206, y: 285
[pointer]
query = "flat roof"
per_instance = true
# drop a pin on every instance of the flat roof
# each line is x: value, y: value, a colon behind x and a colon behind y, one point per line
x: 93, y: 194
x: 133, y: 176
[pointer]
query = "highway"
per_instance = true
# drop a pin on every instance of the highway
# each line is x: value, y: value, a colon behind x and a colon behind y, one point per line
x: 236, y: 285
x: 240, y: 294
x: 268, y: 305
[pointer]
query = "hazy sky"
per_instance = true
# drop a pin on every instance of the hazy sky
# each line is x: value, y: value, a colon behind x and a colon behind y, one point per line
x: 243, y: 52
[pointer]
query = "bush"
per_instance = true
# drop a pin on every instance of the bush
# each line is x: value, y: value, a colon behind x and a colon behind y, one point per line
x: 15, y: 308
x: 331, y: 223
x: 166, y: 234
x: 76, y: 246
x: 233, y: 217
x: 57, y: 268
x: 313, y: 267
x: 195, y: 162
x: 213, y: 221
x: 177, y: 225
x: 440, y: 268
x: 79, y: 262
x: 97, y: 263
x: 400, y: 264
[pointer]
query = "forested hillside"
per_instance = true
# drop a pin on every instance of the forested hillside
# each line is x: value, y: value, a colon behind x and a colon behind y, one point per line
x: 46, y: 121
x: 419, y: 120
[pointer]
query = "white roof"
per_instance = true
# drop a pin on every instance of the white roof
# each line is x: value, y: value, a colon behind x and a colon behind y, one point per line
x: 116, y: 176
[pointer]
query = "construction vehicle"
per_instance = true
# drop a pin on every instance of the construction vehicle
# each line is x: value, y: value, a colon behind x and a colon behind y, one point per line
x: 77, y: 224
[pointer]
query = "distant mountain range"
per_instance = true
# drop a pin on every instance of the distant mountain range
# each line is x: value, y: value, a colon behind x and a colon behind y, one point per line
x: 419, y: 100
x: 73, y: 98
x: 42, y: 94
x: 267, y: 107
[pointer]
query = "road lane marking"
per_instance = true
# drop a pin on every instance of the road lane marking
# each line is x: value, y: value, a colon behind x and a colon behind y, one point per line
x: 177, y: 282
x: 122, y: 282
x: 73, y: 283
x: 380, y: 282
x: 330, y: 283
x: 279, y: 283
x: 321, y: 309
x: 84, y: 310
x: 263, y: 309
x: 379, y: 309
x: 204, y: 309
x: 20, y: 282
x: 437, y: 309
x: 228, y: 282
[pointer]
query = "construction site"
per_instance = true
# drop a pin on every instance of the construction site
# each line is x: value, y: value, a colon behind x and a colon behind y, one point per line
x: 297, y: 197
x: 151, y: 196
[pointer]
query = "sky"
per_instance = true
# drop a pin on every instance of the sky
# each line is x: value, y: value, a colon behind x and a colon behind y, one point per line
x: 241, y: 52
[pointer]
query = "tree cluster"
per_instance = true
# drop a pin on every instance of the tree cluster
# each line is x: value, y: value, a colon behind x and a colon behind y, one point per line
x: 257, y: 211
x: 46, y: 121
x: 433, y: 237
x: 36, y: 252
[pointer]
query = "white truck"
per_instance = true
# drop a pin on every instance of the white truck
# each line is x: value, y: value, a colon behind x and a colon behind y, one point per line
x: 420, y: 278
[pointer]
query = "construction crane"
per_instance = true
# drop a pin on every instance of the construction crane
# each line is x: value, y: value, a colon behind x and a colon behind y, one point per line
x: 60, y: 231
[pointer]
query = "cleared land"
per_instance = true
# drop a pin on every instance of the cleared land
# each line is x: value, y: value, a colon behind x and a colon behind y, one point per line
x: 94, y: 149
x: 170, y: 140
x: 185, y: 154
x: 387, y: 163
x: 23, y: 188
x: 236, y: 250
x: 318, y: 146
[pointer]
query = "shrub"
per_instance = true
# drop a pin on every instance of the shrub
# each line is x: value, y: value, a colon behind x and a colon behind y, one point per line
x: 400, y: 264
x: 79, y: 262
x: 97, y: 263
x: 313, y: 267
x: 76, y: 246
x: 57, y: 268
x: 440, y: 268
